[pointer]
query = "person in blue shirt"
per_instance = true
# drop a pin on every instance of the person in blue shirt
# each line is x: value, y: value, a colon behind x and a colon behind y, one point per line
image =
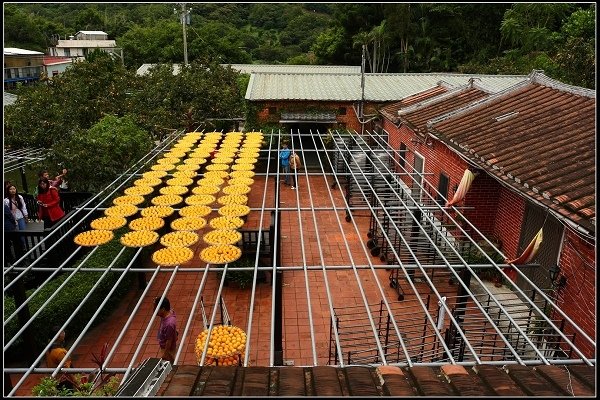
x: 284, y: 157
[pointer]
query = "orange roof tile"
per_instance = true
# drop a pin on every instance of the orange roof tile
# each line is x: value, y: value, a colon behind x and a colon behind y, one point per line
x: 538, y: 137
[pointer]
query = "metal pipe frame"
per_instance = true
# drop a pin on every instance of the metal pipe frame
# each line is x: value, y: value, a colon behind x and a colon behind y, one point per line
x: 395, y: 346
x: 15, y: 159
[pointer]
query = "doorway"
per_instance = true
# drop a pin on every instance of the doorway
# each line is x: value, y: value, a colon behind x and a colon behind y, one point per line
x: 306, y: 140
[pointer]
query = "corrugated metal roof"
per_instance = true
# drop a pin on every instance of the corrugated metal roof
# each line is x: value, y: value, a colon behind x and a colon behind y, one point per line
x: 287, y: 117
x: 86, y: 43
x: 13, y: 51
x: 537, y: 137
x: 446, y: 381
x: 145, y: 68
x: 264, y: 68
x: 9, y: 98
x: 93, y: 32
x: 302, y: 69
x: 347, y: 87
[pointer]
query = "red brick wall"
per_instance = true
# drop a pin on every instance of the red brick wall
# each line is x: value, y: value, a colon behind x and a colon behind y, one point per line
x: 495, y: 210
x: 578, y: 298
x: 350, y: 119
x: 498, y: 211
x: 482, y: 198
x: 509, y: 218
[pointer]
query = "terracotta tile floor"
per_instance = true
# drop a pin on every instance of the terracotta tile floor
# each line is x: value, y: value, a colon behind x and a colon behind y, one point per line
x: 312, y: 237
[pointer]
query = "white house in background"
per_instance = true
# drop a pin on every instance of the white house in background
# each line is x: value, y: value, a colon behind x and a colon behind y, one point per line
x: 56, y: 65
x: 22, y: 66
x: 91, y: 35
x: 84, y: 42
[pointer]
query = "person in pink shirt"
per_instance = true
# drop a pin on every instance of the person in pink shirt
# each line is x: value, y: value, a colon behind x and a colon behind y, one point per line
x: 167, y: 331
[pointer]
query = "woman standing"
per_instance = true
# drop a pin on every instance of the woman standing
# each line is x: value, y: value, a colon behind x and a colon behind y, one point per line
x: 17, y: 206
x: 48, y: 200
x: 294, y: 165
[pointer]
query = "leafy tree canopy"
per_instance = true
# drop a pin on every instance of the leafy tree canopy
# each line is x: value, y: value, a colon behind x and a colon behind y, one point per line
x: 97, y: 156
x: 400, y: 37
x: 75, y: 99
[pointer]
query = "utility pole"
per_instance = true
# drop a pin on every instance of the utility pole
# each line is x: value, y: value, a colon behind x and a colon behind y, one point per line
x: 184, y: 17
x: 361, y: 117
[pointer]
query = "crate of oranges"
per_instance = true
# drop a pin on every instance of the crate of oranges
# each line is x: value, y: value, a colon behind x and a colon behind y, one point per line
x: 226, y: 345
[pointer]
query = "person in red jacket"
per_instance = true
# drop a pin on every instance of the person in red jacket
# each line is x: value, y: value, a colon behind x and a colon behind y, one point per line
x: 48, y: 201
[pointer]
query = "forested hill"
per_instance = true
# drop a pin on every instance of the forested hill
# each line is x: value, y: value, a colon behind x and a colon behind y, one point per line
x: 493, y: 38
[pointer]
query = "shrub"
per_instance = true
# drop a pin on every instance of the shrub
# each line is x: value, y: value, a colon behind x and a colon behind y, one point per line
x: 71, y: 295
x: 243, y: 278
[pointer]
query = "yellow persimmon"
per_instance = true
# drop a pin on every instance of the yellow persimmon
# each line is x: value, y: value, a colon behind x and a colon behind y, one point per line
x: 141, y: 238
x: 170, y: 256
x: 94, y: 237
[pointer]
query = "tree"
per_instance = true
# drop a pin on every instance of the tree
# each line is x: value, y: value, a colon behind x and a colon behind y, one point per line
x: 273, y: 15
x: 378, y: 57
x: 528, y: 25
x: 576, y: 54
x: 22, y: 31
x: 89, y: 20
x: 399, y: 25
x: 74, y: 100
x: 303, y: 29
x: 328, y: 46
x: 219, y: 41
x: 97, y: 155
x: 157, y: 43
x: 203, y: 89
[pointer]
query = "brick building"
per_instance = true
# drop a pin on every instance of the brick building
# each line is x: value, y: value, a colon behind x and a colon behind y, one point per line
x: 531, y: 148
x: 301, y: 100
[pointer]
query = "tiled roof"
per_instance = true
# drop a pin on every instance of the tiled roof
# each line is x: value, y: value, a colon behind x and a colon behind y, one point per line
x: 416, y: 110
x: 431, y: 381
x: 51, y: 60
x: 537, y: 137
x: 390, y: 111
x: 303, y: 69
x: 417, y: 115
x: 347, y: 87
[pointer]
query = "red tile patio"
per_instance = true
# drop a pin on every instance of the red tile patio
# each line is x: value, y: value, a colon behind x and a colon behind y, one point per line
x: 308, y: 237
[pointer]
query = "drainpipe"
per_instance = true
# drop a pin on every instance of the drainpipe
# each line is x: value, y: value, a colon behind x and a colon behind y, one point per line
x: 362, y: 92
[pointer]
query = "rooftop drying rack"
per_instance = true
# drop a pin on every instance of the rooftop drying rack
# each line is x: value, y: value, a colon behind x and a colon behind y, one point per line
x: 467, y: 323
x: 15, y: 159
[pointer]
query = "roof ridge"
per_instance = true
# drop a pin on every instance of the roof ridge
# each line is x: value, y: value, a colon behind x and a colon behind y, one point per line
x: 536, y: 76
x: 443, y: 96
